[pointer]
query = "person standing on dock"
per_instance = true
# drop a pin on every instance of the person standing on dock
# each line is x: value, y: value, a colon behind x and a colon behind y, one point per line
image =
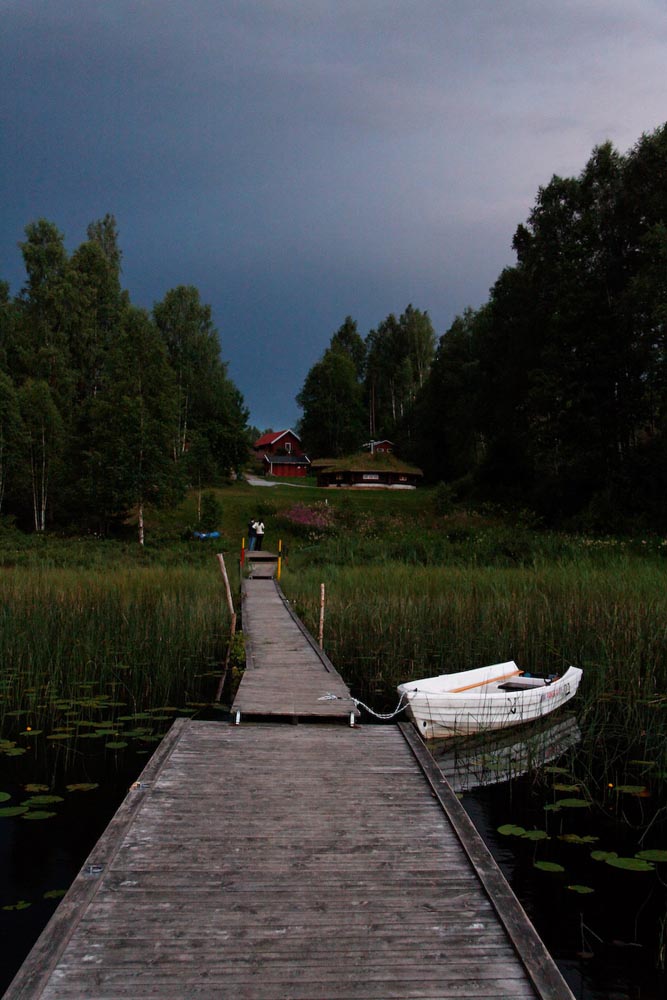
x: 259, y: 534
x: 252, y: 534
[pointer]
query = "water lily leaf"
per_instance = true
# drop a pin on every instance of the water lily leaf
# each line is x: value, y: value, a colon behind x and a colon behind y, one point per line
x: 511, y: 830
x: 31, y: 732
x: 39, y: 814
x: 15, y: 752
x: 59, y: 736
x: 583, y: 890
x: 603, y: 855
x: 632, y: 789
x: 631, y: 864
x: 21, y: 905
x: 574, y: 838
x: 572, y: 804
x: 116, y: 745
x: 642, y: 763
x: 13, y: 810
x: 536, y: 835
x: 548, y: 866
x: 556, y: 770
x: 566, y: 788
x: 552, y: 807
x: 83, y: 786
x: 54, y: 893
x: 5, y: 796
x: 36, y: 788
x: 652, y: 855
x: 43, y: 800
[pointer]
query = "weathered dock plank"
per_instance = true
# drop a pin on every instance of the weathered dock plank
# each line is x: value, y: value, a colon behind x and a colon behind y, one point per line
x: 265, y: 861
x: 286, y: 675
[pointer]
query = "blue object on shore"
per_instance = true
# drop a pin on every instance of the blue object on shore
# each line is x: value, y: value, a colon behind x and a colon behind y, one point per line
x: 206, y: 534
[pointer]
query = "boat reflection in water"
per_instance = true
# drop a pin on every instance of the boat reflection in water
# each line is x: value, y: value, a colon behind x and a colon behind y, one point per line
x: 489, y: 759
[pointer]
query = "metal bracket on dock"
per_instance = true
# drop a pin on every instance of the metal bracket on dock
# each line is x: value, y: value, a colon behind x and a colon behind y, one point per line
x: 92, y: 871
x: 237, y: 717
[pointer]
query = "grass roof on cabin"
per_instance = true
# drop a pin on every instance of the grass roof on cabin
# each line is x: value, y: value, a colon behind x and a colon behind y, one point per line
x: 363, y: 461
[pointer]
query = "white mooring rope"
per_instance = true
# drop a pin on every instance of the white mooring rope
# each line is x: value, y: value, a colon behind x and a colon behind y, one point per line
x: 381, y: 715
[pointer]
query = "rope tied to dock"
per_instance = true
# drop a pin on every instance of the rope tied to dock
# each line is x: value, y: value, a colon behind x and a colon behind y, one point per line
x: 382, y: 715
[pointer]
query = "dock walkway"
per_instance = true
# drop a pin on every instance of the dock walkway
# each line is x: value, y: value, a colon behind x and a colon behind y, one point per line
x: 287, y: 675
x: 261, y: 861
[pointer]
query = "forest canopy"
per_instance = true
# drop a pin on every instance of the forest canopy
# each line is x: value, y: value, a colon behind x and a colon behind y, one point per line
x: 104, y: 407
x: 553, y: 395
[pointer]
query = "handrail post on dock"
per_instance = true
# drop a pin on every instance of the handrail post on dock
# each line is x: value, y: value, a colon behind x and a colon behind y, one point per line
x: 321, y: 631
x: 232, y: 626
x: 242, y: 552
x: 280, y: 558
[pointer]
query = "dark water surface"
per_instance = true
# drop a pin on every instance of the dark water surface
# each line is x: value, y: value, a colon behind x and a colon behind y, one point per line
x: 609, y: 943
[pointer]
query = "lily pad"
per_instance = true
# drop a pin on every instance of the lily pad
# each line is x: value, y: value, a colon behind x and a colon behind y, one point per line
x: 21, y: 905
x: 54, y: 893
x: 536, y: 835
x: 43, y: 800
x: 39, y: 814
x: 548, y: 866
x: 632, y: 789
x: 583, y: 890
x: 574, y: 838
x: 566, y: 788
x: 572, y: 804
x: 603, y: 855
x: 83, y: 786
x: 116, y: 745
x: 511, y: 830
x: 31, y: 732
x: 631, y: 864
x: 652, y: 855
x: 15, y: 752
x: 36, y: 788
x: 5, y: 796
x: 13, y: 810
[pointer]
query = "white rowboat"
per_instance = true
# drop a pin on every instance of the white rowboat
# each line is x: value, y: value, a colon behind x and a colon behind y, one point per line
x: 483, y: 699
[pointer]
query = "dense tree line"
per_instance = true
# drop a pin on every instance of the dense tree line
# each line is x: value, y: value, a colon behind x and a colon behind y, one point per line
x: 363, y: 390
x: 552, y: 395
x: 104, y: 407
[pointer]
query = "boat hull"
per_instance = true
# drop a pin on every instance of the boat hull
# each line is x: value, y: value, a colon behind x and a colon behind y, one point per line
x: 483, y: 707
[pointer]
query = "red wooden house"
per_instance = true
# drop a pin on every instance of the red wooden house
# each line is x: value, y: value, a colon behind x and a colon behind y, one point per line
x: 281, y: 454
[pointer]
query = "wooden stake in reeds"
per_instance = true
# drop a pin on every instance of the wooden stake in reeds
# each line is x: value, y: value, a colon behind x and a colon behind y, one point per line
x: 321, y: 631
x: 232, y: 629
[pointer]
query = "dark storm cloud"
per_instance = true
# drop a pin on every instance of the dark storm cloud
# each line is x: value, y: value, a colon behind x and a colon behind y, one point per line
x: 299, y: 161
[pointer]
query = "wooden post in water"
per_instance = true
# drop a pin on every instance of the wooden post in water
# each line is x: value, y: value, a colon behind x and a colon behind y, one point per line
x: 321, y: 631
x: 232, y: 629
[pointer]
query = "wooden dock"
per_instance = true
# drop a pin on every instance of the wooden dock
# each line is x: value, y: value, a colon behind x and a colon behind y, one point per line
x: 261, y: 860
x: 287, y: 675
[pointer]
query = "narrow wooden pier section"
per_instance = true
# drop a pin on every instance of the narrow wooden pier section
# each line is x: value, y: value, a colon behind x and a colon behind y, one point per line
x: 287, y: 675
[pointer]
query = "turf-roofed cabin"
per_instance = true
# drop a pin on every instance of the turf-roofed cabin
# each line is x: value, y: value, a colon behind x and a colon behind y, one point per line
x: 281, y: 454
x: 366, y: 470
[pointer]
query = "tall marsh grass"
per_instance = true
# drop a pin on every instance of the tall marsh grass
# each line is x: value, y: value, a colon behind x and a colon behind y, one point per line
x: 387, y: 624
x: 142, y: 633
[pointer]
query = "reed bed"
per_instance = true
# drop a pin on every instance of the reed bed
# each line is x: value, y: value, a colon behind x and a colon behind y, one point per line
x: 143, y: 634
x: 387, y: 624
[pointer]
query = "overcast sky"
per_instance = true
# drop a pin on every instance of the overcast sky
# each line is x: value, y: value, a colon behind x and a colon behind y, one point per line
x: 304, y: 160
